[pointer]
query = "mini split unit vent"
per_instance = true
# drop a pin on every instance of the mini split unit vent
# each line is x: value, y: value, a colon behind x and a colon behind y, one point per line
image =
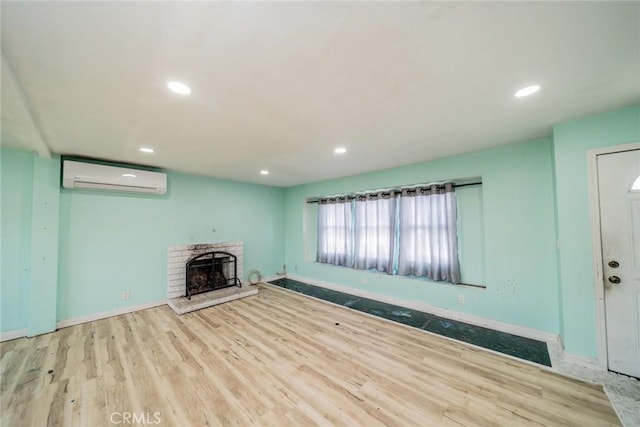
x: 77, y: 174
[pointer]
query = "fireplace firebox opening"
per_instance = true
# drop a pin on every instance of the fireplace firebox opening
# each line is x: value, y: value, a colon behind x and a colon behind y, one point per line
x: 211, y: 271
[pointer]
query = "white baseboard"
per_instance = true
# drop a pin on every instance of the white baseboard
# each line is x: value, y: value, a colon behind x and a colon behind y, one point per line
x: 472, y: 319
x: 583, y: 361
x: 12, y: 335
x: 274, y: 277
x: 105, y: 314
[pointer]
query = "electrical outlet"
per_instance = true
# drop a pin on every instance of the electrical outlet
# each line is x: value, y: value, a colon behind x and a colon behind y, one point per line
x: 125, y: 295
x: 460, y: 299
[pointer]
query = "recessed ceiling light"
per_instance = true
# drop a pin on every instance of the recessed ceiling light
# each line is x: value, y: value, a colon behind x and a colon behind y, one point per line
x: 128, y: 175
x: 146, y: 150
x: 264, y: 172
x: 526, y: 91
x: 340, y: 150
x: 179, y: 88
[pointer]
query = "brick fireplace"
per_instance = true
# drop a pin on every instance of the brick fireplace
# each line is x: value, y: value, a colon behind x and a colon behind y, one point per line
x: 177, y: 259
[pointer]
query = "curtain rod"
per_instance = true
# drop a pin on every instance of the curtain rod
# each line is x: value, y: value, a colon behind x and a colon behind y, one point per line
x: 386, y: 192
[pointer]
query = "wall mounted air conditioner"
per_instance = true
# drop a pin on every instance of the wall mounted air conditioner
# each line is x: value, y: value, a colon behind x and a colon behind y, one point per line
x: 94, y: 176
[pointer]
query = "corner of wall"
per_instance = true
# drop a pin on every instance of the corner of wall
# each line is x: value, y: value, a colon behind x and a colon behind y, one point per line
x: 571, y: 141
x: 43, y: 271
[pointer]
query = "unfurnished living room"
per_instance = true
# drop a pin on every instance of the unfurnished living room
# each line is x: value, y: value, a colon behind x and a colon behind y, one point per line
x: 320, y: 213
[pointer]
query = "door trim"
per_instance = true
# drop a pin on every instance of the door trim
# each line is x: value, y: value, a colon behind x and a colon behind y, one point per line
x: 596, y: 243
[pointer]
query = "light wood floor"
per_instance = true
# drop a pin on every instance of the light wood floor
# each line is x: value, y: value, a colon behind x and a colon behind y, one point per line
x: 279, y: 359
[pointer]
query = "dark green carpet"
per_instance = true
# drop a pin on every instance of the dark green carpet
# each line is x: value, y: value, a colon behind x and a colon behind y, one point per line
x: 513, y: 345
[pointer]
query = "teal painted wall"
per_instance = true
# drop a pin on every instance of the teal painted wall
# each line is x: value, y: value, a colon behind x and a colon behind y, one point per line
x: 571, y: 142
x: 16, y: 183
x: 43, y: 268
x: 110, y: 242
x: 67, y: 253
x: 30, y: 197
x: 519, y: 257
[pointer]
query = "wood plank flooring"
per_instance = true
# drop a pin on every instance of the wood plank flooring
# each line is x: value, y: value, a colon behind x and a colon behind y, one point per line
x: 277, y: 359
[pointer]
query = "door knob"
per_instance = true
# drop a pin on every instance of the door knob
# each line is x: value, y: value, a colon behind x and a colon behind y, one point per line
x: 614, y: 279
x: 613, y: 264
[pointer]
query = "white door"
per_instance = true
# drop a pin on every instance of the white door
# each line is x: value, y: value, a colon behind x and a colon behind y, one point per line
x: 619, y: 194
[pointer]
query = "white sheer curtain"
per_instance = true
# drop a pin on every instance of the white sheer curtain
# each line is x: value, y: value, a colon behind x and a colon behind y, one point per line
x: 334, y: 232
x: 428, y: 243
x: 374, y: 230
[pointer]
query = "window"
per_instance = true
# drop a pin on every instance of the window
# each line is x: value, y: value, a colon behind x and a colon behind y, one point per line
x: 374, y: 231
x: 428, y: 239
x: 334, y: 232
x: 410, y: 232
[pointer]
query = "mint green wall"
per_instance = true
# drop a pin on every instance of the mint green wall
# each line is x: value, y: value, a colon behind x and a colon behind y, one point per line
x: 30, y: 197
x: 43, y: 267
x: 110, y: 242
x: 571, y: 142
x: 471, y: 234
x: 519, y: 235
x: 67, y: 253
x: 16, y: 181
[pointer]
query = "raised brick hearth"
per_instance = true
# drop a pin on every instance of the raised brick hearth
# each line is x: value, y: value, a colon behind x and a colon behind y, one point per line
x: 177, y: 257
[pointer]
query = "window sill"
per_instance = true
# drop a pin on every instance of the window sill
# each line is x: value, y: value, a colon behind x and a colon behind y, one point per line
x: 423, y: 279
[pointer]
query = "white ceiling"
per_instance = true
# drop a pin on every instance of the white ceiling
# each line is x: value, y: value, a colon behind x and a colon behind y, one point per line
x: 279, y: 85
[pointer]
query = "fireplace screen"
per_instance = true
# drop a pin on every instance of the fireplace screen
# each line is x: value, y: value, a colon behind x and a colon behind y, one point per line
x: 210, y: 271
